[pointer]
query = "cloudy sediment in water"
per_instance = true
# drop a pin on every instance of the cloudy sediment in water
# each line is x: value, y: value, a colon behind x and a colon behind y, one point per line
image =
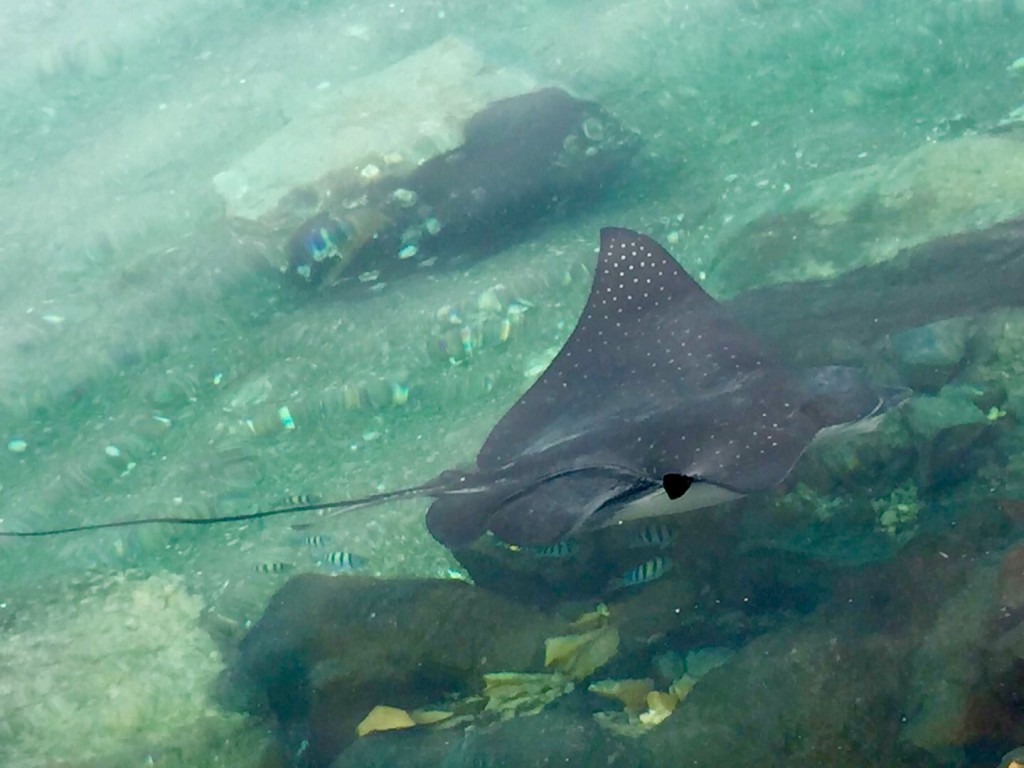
x: 157, y: 360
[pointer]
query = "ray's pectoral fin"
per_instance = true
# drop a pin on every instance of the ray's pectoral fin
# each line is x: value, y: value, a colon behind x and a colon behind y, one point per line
x: 456, y: 520
x: 538, y: 514
x: 551, y: 509
x: 676, y: 485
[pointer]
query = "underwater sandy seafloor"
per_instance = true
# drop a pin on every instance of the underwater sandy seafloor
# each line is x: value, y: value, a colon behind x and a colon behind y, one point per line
x: 140, y: 335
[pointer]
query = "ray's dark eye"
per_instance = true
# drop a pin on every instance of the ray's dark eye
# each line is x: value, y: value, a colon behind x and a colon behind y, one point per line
x: 676, y: 485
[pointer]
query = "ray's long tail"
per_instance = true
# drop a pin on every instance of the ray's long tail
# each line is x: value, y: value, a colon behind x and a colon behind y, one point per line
x: 342, y: 506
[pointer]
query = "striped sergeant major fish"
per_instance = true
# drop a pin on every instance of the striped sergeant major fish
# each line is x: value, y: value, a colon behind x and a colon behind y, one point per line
x: 299, y: 499
x: 563, y: 548
x: 656, y: 535
x: 274, y: 567
x: 644, y: 573
x: 342, y: 561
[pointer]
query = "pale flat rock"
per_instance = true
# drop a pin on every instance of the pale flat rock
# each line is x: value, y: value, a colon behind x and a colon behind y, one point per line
x: 416, y: 108
x: 866, y: 216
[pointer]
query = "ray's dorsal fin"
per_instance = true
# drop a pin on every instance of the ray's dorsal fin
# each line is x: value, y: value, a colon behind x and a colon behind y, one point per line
x: 649, y: 335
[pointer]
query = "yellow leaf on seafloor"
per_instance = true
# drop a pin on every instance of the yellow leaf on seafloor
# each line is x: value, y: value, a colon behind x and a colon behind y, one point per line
x: 681, y: 688
x: 579, y: 655
x: 632, y: 693
x: 659, y: 706
x: 384, y: 718
x: 429, y: 716
x: 517, y: 683
x: 593, y: 619
x: 523, y: 693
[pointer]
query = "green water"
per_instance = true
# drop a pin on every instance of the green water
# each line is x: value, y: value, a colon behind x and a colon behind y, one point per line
x: 141, y: 331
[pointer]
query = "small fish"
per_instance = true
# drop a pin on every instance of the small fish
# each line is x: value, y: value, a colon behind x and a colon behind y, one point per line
x: 399, y: 393
x: 449, y: 315
x: 299, y: 500
x: 654, y: 535
x: 319, y: 245
x: 315, y: 541
x: 457, y: 575
x: 644, y: 573
x: 466, y: 337
x: 343, y: 561
x: 564, y: 548
x: 276, y: 567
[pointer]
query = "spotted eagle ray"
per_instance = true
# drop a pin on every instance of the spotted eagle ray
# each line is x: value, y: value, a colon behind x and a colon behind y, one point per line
x: 657, y: 404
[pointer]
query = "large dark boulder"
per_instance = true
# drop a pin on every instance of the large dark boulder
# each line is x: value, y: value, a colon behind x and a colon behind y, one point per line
x: 556, y: 737
x: 524, y: 159
x: 327, y: 650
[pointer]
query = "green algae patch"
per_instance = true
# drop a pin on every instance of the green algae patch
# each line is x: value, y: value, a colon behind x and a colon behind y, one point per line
x: 121, y: 674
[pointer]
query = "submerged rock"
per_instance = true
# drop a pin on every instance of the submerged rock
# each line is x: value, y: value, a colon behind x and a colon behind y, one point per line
x: 368, y: 122
x: 867, y: 215
x: 827, y: 689
x: 523, y: 158
x: 952, y: 276
x: 554, y: 738
x: 773, y: 693
x: 929, y: 356
x: 327, y: 651
x: 897, y: 663
x: 944, y: 428
x: 945, y: 669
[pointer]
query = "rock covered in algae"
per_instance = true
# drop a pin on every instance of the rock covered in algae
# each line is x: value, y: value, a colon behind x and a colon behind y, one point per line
x: 929, y: 355
x: 949, y: 428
